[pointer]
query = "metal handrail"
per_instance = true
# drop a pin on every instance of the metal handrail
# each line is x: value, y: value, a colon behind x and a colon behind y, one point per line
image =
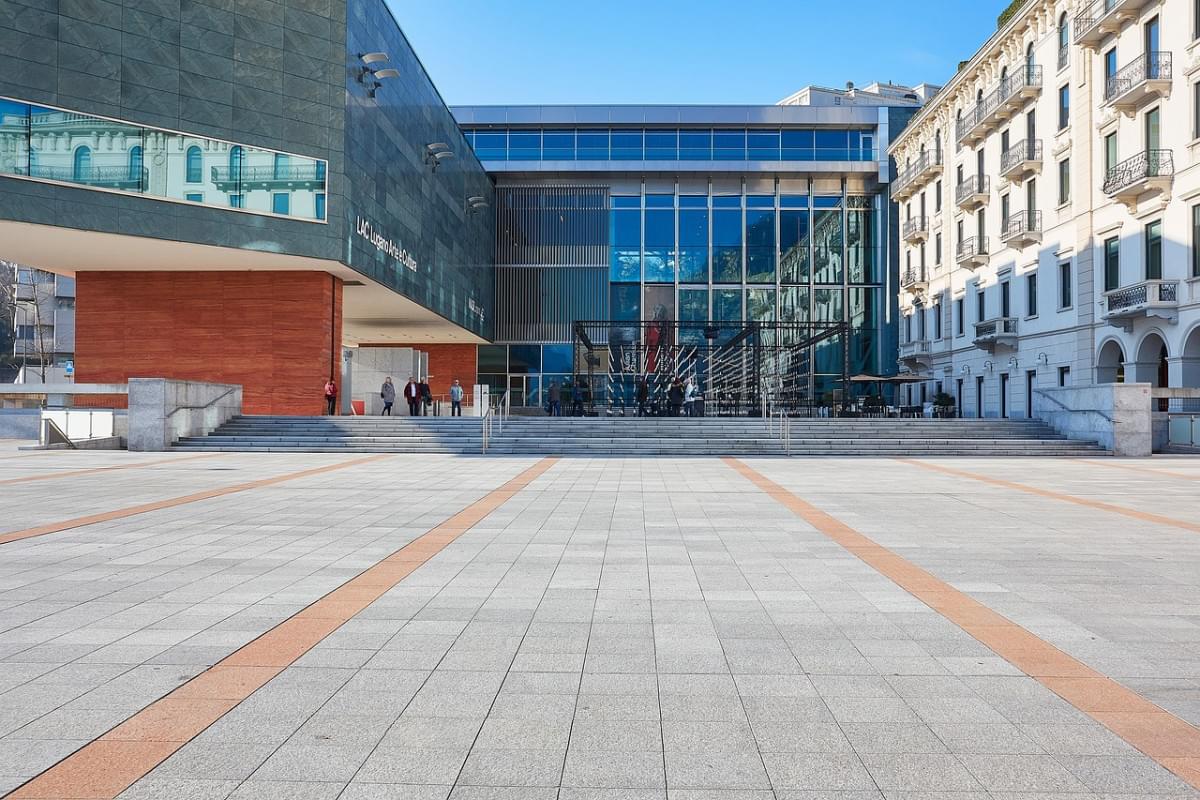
x: 1022, y: 222
x: 972, y: 185
x: 973, y: 246
x: 1019, y: 153
x: 258, y: 174
x: 914, y: 225
x: 1152, y: 66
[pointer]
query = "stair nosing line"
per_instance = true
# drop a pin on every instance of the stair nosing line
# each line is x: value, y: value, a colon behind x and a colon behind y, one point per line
x: 132, y: 749
x: 171, y: 502
x: 1167, y: 739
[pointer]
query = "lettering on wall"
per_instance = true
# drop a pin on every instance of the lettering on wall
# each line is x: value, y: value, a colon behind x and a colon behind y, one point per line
x: 475, y: 308
x: 385, y: 245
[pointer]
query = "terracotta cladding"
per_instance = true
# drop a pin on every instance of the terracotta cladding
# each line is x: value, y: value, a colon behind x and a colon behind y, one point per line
x: 446, y: 362
x: 278, y: 334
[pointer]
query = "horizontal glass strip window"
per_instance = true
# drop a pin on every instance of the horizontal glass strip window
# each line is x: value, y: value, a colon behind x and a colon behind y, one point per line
x: 669, y: 144
x: 50, y: 144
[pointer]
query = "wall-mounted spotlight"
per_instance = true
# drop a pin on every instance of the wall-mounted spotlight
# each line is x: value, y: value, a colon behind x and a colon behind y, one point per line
x: 1043, y: 359
x: 988, y: 366
x: 477, y: 203
x: 1012, y: 362
x: 436, y: 153
x: 966, y: 370
x: 370, y: 76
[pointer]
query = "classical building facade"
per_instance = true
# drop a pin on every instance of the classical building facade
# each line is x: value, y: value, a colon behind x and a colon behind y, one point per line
x: 1050, y: 203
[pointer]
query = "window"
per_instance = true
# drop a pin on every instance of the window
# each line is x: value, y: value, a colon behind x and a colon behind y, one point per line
x: 937, y: 188
x: 1196, y: 107
x: 194, y: 197
x: 281, y: 166
x: 937, y: 253
x: 1196, y: 237
x: 1005, y: 299
x: 1064, y: 107
x: 194, y: 162
x: 908, y: 332
x: 1112, y: 264
x: 237, y: 201
x: 937, y: 319
x: 959, y: 313
x: 980, y: 305
x: 280, y: 203
x: 1110, y: 151
x: 1110, y: 71
x: 1064, y: 376
x: 1065, y: 292
x: 1031, y: 294
x: 136, y: 160
x: 320, y: 206
x: 1064, y: 41
x: 1064, y: 181
x: 236, y: 156
x: 1154, y: 250
x: 83, y: 164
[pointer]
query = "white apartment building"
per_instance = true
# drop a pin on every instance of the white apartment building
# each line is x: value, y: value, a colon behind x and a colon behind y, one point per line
x: 1049, y: 203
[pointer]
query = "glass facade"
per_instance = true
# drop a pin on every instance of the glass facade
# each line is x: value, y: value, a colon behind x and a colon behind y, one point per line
x: 751, y: 144
x: 50, y: 144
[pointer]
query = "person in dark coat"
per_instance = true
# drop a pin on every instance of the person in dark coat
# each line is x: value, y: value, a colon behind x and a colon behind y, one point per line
x: 388, y: 393
x: 555, y: 408
x: 643, y: 396
x: 426, y: 396
x: 412, y: 396
x: 675, y: 397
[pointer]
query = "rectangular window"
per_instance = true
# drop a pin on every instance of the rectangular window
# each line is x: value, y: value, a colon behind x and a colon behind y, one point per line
x: 320, y: 209
x: 937, y: 253
x: 1064, y: 107
x: 937, y: 320
x: 1110, y: 151
x: 1154, y: 251
x: 980, y: 305
x: 1031, y: 294
x: 1112, y: 264
x: 1064, y: 181
x: 937, y: 189
x: 1065, y: 292
x: 1064, y: 376
x: 959, y: 313
x: 1196, y: 237
x: 237, y: 201
x: 1005, y: 299
x: 280, y: 203
x: 194, y: 197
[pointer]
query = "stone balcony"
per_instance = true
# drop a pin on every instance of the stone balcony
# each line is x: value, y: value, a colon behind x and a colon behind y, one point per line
x: 998, y: 105
x: 915, y: 176
x: 1023, y: 229
x: 1143, y: 80
x: 914, y: 280
x: 915, y: 354
x: 1100, y: 18
x: 916, y: 230
x: 973, y: 193
x: 998, y: 332
x: 1148, y: 171
x: 1150, y: 298
x: 972, y: 253
x: 1022, y: 160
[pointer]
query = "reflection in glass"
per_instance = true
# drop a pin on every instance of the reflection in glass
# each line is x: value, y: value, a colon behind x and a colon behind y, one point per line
x: 827, y: 240
x: 727, y: 245
x: 860, y: 242
x: 760, y: 305
x: 793, y: 245
x: 693, y: 245
x: 793, y: 304
x: 626, y: 232
x: 660, y: 246
x: 760, y: 246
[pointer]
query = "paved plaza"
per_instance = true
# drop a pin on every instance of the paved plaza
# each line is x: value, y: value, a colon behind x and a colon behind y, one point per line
x: 423, y: 627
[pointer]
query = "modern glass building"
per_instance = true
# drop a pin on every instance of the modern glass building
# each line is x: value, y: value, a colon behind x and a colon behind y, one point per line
x: 687, y: 215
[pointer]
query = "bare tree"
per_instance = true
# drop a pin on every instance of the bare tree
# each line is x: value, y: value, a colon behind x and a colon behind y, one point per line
x: 8, y: 314
x: 26, y: 298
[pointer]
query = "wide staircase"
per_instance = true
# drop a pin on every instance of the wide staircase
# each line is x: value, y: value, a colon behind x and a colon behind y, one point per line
x: 640, y: 437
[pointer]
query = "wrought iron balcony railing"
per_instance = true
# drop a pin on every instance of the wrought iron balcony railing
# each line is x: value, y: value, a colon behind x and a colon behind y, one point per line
x: 913, y: 277
x: 1152, y: 292
x: 1023, y: 226
x: 1028, y: 76
x: 297, y: 173
x: 1064, y: 57
x: 972, y: 247
x: 1102, y: 17
x: 92, y: 176
x: 916, y: 228
x: 928, y: 163
x: 1133, y: 172
x: 1153, y: 66
x: 972, y: 187
x: 1020, y: 154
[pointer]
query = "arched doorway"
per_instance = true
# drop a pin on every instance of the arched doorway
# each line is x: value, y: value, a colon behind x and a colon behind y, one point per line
x: 1190, y: 360
x: 1151, y: 365
x: 1110, y: 366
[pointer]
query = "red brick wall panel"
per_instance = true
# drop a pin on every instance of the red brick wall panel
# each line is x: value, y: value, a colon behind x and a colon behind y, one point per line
x: 278, y: 334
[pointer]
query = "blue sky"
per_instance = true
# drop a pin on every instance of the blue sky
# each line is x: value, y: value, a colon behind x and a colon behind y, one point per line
x: 677, y: 51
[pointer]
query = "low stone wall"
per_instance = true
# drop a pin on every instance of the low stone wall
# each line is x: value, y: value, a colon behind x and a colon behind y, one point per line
x: 20, y: 423
x: 1116, y: 415
x: 161, y: 411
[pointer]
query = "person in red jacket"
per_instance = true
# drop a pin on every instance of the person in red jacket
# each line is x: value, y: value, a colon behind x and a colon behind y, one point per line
x: 412, y: 394
x: 331, y: 396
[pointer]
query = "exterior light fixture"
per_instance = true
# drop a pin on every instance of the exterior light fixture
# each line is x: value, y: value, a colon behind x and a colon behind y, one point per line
x: 436, y: 153
x: 1043, y: 359
x: 375, y: 75
x: 1012, y: 362
x: 477, y: 203
x: 966, y: 370
x: 373, y: 58
x: 988, y: 366
x: 384, y: 74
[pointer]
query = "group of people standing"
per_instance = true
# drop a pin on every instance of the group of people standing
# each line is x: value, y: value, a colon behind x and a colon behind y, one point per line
x: 554, y: 400
x: 681, y: 398
x: 417, y: 394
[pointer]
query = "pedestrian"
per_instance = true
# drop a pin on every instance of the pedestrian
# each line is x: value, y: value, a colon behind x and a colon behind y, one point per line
x: 555, y: 409
x: 675, y: 397
x: 388, y: 393
x: 412, y: 396
x: 331, y: 396
x: 689, y: 398
x: 426, y: 396
x: 643, y: 396
x: 456, y: 397
x: 576, y: 400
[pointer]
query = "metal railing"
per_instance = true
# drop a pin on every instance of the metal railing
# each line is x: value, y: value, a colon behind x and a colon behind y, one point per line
x: 1064, y: 57
x: 493, y: 418
x: 928, y: 160
x: 972, y: 186
x: 916, y: 225
x: 1151, y: 291
x: 267, y: 174
x: 1020, y: 153
x: 912, y: 276
x: 1028, y: 76
x: 972, y: 246
x: 104, y: 176
x: 1090, y: 17
x: 1002, y: 326
x: 1153, y: 66
x: 1142, y: 167
x: 1022, y: 222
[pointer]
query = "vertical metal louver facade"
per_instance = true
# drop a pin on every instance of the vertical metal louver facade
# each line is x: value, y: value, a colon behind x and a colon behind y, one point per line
x: 551, y: 260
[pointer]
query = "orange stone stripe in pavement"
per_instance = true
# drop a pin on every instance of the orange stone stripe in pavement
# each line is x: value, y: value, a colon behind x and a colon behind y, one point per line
x: 1099, y: 505
x: 1162, y: 736
x: 1111, y: 464
x: 76, y: 472
x: 104, y: 768
x: 171, y: 502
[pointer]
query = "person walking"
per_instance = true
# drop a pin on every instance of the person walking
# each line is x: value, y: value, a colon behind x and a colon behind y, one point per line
x: 643, y: 396
x: 689, y: 399
x: 555, y: 409
x: 331, y: 397
x: 412, y: 396
x: 456, y: 398
x: 426, y: 396
x: 388, y: 393
x: 675, y: 397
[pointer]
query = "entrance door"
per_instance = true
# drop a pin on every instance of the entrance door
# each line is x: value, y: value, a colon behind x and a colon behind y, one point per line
x: 1030, y: 380
x: 523, y: 391
x: 1004, y: 395
x: 958, y: 397
x: 979, y: 397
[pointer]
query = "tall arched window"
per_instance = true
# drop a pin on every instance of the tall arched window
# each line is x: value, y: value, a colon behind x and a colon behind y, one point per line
x: 236, y: 156
x: 1064, y: 45
x: 1029, y: 55
x: 195, y: 164
x: 1004, y: 73
x: 937, y: 146
x: 136, y: 160
x: 83, y: 164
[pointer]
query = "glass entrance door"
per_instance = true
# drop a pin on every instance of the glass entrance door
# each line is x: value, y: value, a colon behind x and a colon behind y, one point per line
x: 523, y: 391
